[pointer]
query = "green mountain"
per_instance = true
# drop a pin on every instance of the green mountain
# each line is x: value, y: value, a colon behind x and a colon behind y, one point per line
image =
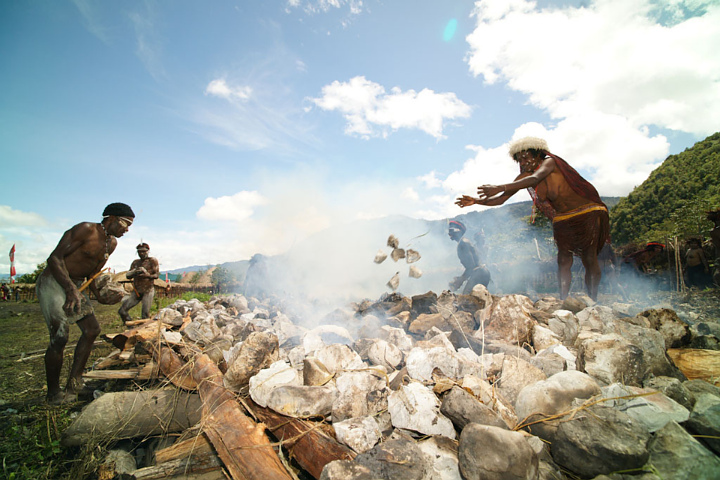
x: 674, y: 199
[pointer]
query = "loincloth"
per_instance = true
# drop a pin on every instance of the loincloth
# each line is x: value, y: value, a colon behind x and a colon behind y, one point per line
x: 584, y: 229
x: 51, y: 297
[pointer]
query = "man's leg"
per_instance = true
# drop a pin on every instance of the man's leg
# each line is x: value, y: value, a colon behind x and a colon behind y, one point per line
x: 90, y: 329
x: 565, y: 261
x: 128, y: 302
x: 147, y: 301
x: 54, y: 359
x: 593, y: 273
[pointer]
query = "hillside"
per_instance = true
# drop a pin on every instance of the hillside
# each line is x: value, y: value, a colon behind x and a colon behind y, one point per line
x: 674, y: 198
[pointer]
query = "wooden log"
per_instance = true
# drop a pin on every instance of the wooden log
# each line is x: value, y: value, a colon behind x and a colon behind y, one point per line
x: 146, y: 332
x: 127, y: 374
x: 197, y: 446
x: 241, y: 444
x: 176, y: 370
x: 181, y: 467
x: 311, y: 444
x: 697, y: 364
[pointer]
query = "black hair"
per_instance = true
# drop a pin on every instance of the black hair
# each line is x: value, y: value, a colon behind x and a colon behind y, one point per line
x: 533, y: 151
x: 119, y: 210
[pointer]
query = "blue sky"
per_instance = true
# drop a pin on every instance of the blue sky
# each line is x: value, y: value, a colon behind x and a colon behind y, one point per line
x: 242, y: 127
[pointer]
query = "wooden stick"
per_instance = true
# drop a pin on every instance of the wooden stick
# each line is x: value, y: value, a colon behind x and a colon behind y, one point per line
x: 88, y: 282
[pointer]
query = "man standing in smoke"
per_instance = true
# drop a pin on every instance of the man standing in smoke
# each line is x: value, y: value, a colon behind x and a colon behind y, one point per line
x: 475, y: 272
x: 143, y: 273
x: 581, y: 224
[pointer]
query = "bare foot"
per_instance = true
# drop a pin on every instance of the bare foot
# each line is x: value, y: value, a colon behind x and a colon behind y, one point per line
x: 62, y: 398
x: 75, y: 385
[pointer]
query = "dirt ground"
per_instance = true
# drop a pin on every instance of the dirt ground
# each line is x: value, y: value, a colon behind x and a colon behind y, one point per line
x: 29, y: 428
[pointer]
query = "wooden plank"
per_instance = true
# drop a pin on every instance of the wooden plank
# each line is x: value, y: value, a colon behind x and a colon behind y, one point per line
x: 697, y: 364
x: 311, y: 444
x: 241, y: 444
x: 128, y: 374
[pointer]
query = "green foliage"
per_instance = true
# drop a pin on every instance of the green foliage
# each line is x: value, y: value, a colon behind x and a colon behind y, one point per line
x: 221, y: 278
x: 673, y: 201
x: 32, y: 277
x: 195, y: 278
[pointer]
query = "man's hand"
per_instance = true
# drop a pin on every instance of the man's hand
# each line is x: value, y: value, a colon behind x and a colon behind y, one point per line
x: 465, y: 201
x: 486, y: 192
x: 72, y: 302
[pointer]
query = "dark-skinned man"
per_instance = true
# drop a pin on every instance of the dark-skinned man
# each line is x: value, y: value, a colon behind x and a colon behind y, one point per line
x: 581, y: 224
x: 81, y: 253
x: 475, y: 272
x: 143, y: 273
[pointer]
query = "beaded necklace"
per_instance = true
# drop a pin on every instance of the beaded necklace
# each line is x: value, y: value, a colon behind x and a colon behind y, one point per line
x: 107, y: 241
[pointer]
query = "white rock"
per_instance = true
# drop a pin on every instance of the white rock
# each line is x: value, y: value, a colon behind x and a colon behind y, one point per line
x: 262, y: 384
x: 300, y: 401
x: 415, y: 407
x: 360, y: 434
x: 338, y: 357
x: 442, y: 457
x: 385, y: 354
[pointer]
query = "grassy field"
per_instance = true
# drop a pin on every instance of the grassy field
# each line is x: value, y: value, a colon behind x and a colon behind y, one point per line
x: 29, y: 428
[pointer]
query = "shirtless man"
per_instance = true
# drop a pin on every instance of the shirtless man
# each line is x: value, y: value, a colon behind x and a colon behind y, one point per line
x: 143, y: 273
x: 81, y: 253
x: 475, y: 272
x: 695, y: 263
x: 581, y: 224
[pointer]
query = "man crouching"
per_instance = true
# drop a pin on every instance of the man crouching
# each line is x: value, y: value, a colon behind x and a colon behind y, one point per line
x: 81, y: 253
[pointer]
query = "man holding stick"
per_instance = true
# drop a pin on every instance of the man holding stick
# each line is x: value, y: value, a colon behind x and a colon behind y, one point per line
x: 143, y: 273
x: 581, y: 224
x: 81, y: 254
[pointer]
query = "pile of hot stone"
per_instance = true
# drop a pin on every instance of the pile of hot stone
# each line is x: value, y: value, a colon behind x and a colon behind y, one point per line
x: 456, y: 386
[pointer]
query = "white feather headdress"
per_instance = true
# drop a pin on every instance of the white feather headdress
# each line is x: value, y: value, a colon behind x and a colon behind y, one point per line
x: 527, y: 143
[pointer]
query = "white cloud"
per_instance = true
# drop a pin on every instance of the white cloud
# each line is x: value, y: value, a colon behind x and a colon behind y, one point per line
x: 355, y: 7
x: 370, y: 111
x: 10, y: 217
x: 612, y: 56
x: 220, y: 88
x: 235, y: 208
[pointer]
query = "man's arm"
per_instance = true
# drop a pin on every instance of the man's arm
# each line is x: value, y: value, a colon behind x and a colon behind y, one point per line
x: 71, y: 241
x: 154, y: 271
x: 494, y: 195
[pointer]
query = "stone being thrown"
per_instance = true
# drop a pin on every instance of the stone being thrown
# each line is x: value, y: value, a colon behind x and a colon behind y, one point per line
x: 475, y: 272
x: 143, y: 273
x: 81, y: 253
x: 581, y: 224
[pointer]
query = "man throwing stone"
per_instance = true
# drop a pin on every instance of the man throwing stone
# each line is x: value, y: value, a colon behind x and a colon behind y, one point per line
x: 81, y: 253
x: 143, y: 273
x: 475, y: 272
x: 581, y: 224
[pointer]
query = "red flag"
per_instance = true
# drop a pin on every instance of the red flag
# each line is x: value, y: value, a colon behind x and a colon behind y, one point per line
x: 12, y: 264
x: 166, y: 278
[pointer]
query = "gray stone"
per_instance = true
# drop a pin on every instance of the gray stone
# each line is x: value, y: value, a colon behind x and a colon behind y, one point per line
x: 705, y: 421
x: 509, y: 320
x: 550, y: 363
x: 698, y: 387
x: 492, y: 453
x: 674, y: 453
x: 565, y: 325
x: 314, y: 372
x: 653, y: 411
x: 600, y: 440
x: 553, y: 396
x: 675, y: 332
x: 462, y: 408
x: 441, y: 457
x: 338, y: 357
x: 673, y: 388
x: 397, y: 459
x: 611, y: 358
x: 258, y: 351
x: 516, y: 375
x: 386, y: 354
x: 360, y: 393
